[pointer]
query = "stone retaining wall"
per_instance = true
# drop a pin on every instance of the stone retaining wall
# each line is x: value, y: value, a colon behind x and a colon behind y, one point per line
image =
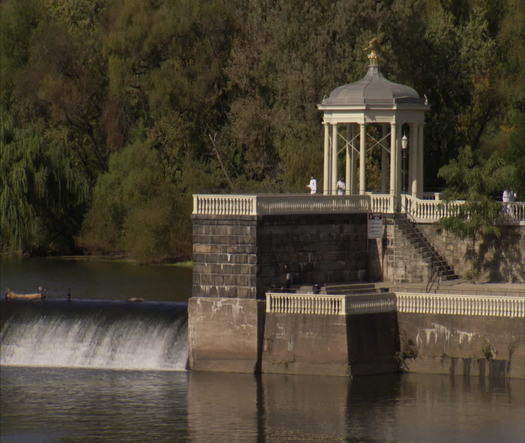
x: 245, y: 256
x: 463, y: 345
x: 501, y: 259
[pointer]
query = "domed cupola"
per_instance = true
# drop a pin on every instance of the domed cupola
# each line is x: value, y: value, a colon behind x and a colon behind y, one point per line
x: 372, y: 89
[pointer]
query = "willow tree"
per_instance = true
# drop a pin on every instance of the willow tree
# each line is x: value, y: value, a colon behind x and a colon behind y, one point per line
x: 41, y: 194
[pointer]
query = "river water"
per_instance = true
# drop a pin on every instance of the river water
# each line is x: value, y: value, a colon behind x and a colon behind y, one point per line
x: 105, y: 369
x: 96, y: 279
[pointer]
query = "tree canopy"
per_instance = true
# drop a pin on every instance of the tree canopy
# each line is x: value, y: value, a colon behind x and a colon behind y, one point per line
x: 115, y: 111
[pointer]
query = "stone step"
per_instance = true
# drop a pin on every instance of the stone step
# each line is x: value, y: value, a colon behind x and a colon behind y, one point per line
x: 351, y: 288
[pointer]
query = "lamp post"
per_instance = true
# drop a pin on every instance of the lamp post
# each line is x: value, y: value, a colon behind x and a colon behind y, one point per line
x: 404, y: 144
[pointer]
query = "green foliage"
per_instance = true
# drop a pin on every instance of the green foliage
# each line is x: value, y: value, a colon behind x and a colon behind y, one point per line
x: 476, y: 183
x: 18, y: 19
x: 157, y: 99
x: 41, y: 194
x: 139, y: 210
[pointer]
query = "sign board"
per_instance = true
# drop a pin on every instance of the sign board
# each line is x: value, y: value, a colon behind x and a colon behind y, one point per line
x: 375, y: 226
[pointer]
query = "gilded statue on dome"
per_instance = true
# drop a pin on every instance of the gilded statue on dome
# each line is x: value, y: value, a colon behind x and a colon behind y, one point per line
x: 373, y: 47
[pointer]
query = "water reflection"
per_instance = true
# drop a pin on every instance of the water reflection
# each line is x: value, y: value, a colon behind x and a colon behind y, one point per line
x: 101, y: 405
x: 91, y: 405
x: 461, y: 408
x: 304, y: 408
x: 220, y: 403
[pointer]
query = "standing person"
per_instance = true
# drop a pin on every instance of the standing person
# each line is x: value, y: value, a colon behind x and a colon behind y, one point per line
x: 341, y: 187
x: 312, y: 185
x: 505, y: 198
x: 287, y: 277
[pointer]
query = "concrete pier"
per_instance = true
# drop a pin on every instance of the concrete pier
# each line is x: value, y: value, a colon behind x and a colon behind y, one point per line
x: 244, y: 318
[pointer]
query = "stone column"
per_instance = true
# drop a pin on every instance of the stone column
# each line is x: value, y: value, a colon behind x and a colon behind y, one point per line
x: 326, y: 170
x: 399, y: 135
x: 384, y: 160
x: 362, y: 158
x: 348, y: 159
x: 413, y: 159
x: 420, y: 165
x: 353, y: 184
x: 334, y: 160
x: 393, y: 160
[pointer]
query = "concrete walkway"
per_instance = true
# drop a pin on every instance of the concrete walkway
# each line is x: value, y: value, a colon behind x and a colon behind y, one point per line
x: 460, y: 287
x: 445, y: 287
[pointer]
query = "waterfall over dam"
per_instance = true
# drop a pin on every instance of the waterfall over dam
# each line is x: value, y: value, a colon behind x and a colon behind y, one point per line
x: 94, y: 334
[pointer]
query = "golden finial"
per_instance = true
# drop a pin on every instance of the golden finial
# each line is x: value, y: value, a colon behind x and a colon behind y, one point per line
x: 373, y: 46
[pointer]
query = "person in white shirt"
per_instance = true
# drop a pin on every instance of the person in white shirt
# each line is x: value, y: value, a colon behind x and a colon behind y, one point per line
x: 340, y: 187
x: 312, y: 185
x: 506, y: 198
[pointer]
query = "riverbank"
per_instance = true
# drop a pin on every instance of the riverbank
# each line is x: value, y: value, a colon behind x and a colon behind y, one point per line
x: 98, y: 258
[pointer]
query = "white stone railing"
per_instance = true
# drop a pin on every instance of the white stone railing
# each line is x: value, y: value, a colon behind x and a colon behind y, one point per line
x: 454, y: 304
x: 516, y: 211
x: 278, y: 204
x: 430, y: 211
x: 286, y: 303
x: 227, y: 204
x: 320, y: 304
x: 420, y: 210
x: 404, y: 302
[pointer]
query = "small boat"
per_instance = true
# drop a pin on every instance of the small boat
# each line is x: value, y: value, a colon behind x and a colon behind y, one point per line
x: 10, y: 295
x: 135, y: 299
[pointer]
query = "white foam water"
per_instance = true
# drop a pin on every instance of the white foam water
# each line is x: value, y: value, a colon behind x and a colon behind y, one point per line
x: 57, y: 339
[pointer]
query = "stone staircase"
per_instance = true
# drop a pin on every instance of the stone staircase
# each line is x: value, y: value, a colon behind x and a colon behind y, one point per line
x: 422, y: 251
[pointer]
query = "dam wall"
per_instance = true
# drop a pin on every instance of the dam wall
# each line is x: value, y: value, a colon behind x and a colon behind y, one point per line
x: 225, y: 334
x: 454, y: 334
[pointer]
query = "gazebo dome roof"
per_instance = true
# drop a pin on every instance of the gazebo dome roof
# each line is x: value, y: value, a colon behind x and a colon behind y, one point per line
x: 372, y: 89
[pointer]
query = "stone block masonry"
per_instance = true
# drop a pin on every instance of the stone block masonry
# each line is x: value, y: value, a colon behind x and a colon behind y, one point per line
x: 225, y: 256
x: 244, y: 256
x: 237, y: 259
x: 499, y: 259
